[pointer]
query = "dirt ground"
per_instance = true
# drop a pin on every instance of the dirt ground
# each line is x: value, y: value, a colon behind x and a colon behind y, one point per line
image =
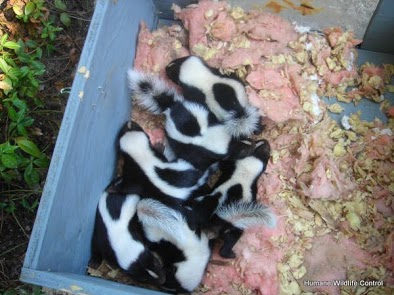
x: 15, y: 229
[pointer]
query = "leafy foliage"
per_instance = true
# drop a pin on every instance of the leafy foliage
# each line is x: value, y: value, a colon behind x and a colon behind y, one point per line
x: 25, y: 290
x: 23, y: 161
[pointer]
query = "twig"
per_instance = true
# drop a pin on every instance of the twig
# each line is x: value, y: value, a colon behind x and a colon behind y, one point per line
x: 3, y: 272
x: 2, y: 221
x: 20, y: 226
x: 58, y: 74
x: 12, y: 249
x: 80, y: 18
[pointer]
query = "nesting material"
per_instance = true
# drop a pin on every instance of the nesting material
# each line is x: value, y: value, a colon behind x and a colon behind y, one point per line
x: 331, y: 187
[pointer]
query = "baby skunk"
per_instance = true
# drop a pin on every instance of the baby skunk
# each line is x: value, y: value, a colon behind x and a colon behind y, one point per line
x: 118, y: 238
x: 193, y: 131
x: 185, y: 253
x: 233, y: 199
x: 225, y: 96
x: 146, y: 172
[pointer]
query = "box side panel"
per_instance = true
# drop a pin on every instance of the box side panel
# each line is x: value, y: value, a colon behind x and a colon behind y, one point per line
x: 379, y: 35
x: 80, y: 284
x: 83, y: 160
x: 164, y: 7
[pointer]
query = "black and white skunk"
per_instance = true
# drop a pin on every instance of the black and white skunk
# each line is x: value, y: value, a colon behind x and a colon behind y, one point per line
x: 118, y: 238
x: 233, y: 199
x: 224, y: 95
x: 193, y: 132
x: 185, y: 252
x: 146, y: 172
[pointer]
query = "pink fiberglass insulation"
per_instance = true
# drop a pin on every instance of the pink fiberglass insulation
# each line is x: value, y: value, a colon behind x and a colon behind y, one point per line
x: 328, y: 261
x: 157, y: 49
x: 331, y: 188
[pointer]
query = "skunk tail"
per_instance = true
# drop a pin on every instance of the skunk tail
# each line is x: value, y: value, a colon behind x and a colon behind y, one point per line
x: 151, y: 92
x: 248, y: 214
x: 156, y: 215
x: 244, y: 124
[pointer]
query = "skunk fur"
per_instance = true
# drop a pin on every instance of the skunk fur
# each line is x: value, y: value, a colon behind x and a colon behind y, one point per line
x: 148, y: 173
x: 225, y: 96
x: 118, y: 238
x: 193, y: 132
x: 185, y: 252
x: 233, y: 199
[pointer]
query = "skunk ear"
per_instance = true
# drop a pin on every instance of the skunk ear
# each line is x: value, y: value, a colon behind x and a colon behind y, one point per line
x: 263, y: 151
x: 241, y: 148
x: 114, y: 186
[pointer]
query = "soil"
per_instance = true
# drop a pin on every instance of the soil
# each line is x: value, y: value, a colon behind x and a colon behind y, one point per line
x: 61, y: 64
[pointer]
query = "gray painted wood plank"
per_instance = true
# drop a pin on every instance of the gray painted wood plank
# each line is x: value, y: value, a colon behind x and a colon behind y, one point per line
x: 83, y: 159
x: 81, y: 285
x: 380, y: 33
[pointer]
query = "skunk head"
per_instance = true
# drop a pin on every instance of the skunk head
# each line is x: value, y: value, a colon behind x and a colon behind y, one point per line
x: 118, y: 238
x: 173, y: 69
x: 263, y: 152
x: 148, y: 269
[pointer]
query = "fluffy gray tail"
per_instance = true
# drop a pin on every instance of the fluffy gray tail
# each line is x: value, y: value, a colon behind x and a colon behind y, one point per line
x: 151, y: 92
x: 246, y: 124
x: 154, y: 215
x: 247, y: 214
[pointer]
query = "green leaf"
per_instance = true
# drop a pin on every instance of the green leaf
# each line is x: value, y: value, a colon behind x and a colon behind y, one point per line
x: 3, y: 39
x: 9, y: 161
x: 20, y: 104
x: 28, y: 146
x: 4, y: 66
x: 29, y: 8
x: 41, y: 163
x: 21, y: 130
x: 28, y: 121
x: 14, y: 73
x: 31, y: 44
x: 39, y: 53
x: 12, y: 113
x: 7, y: 148
x: 59, y: 4
x: 11, y: 45
x: 21, y: 115
x: 24, y: 71
x: 25, y: 203
x: 17, y: 10
x: 31, y: 176
x: 65, y: 19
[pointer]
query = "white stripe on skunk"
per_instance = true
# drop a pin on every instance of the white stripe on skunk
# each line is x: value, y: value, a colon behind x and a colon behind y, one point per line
x: 225, y: 96
x: 117, y: 238
x: 135, y: 143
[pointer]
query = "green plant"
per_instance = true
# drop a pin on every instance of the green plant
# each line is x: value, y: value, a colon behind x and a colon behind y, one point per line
x: 64, y: 16
x: 34, y: 9
x: 25, y: 290
x: 22, y: 161
x: 48, y: 33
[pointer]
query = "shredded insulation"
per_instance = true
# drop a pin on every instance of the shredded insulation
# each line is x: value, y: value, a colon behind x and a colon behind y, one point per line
x: 331, y: 186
